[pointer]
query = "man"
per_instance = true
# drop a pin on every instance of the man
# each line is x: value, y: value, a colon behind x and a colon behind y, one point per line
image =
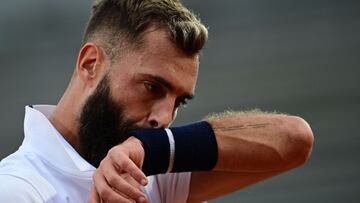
x: 138, y: 64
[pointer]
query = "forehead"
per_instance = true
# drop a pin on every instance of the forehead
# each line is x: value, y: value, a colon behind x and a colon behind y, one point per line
x: 158, y: 46
x: 157, y: 43
x: 159, y: 56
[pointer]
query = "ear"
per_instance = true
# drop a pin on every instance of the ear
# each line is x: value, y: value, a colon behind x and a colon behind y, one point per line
x: 90, y: 63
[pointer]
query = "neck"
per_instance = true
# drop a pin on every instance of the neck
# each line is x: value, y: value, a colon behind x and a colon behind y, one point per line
x: 66, y: 118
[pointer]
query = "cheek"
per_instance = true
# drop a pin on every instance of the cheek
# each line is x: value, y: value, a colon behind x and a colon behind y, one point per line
x: 134, y: 98
x: 136, y: 107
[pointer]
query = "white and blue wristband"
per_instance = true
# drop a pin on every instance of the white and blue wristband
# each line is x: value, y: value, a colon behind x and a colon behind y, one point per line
x: 190, y: 147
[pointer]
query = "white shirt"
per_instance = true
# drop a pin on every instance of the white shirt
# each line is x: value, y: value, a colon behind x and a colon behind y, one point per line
x: 47, y: 169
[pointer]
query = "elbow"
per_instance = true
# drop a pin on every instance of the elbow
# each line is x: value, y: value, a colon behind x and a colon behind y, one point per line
x: 299, y: 142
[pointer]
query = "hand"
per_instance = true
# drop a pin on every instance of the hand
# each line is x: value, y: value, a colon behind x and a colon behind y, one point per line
x: 119, y: 177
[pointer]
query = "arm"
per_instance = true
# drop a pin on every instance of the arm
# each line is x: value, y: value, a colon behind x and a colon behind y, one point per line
x: 251, y: 148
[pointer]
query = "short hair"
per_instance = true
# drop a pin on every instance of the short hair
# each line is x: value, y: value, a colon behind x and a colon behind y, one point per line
x: 122, y: 22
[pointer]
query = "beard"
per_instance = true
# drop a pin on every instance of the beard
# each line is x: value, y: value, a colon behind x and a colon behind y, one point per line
x: 102, y: 124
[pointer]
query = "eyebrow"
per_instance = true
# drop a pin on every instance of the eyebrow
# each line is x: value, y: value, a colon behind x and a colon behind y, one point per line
x: 166, y: 84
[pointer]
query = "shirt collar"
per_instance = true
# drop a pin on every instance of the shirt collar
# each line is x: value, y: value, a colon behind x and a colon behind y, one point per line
x: 43, y: 139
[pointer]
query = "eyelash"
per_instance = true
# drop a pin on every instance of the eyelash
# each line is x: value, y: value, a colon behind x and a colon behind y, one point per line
x: 182, y: 103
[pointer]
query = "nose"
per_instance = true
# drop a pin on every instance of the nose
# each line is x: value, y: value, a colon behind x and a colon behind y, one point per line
x: 162, y: 114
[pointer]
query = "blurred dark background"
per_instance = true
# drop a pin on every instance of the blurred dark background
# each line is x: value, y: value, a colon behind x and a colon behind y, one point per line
x: 299, y: 57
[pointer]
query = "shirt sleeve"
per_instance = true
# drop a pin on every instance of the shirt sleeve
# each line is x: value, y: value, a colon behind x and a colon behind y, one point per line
x: 173, y: 187
x: 14, y: 189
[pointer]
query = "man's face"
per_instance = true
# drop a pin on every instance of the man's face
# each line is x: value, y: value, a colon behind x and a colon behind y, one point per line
x: 153, y: 82
x: 143, y: 89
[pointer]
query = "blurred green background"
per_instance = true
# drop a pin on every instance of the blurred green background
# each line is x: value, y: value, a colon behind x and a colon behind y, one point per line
x: 299, y: 57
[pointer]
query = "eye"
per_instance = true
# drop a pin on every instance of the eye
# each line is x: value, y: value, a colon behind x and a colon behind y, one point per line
x: 150, y: 86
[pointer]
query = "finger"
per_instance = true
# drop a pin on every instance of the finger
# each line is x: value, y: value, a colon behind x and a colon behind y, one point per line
x: 126, y: 164
x: 129, y: 179
x: 94, y: 197
x: 106, y: 193
x: 140, y: 200
x: 118, y: 182
x: 136, y: 173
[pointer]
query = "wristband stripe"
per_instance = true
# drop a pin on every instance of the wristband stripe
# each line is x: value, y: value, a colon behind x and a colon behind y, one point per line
x: 172, y: 149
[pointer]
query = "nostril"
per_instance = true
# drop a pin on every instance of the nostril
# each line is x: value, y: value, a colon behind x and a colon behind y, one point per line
x: 154, y: 124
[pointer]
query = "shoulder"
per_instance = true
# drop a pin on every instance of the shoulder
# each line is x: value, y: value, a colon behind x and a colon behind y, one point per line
x: 15, y: 189
x: 21, y: 181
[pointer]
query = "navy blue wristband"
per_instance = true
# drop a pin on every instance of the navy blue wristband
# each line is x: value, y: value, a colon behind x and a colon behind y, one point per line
x: 195, y: 148
x: 157, y: 149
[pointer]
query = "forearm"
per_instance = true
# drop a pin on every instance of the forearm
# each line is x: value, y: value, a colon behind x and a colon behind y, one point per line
x: 237, y: 142
x: 261, y: 142
x: 254, y: 146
